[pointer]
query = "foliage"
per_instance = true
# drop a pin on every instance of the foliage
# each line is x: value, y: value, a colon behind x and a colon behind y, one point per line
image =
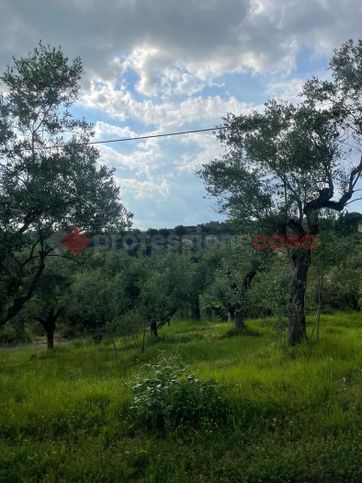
x: 170, y: 397
x: 233, y: 277
x: 269, y: 294
x: 49, y: 178
x: 289, y: 163
x: 166, y: 286
x: 15, y: 333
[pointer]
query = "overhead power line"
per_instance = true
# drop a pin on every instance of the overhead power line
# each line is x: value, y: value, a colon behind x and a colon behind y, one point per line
x: 138, y: 138
x: 162, y: 135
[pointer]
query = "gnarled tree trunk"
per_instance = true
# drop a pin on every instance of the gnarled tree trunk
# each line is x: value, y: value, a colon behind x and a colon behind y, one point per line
x: 297, y: 323
x: 239, y: 308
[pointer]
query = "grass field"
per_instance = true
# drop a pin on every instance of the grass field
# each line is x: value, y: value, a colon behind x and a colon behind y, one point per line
x: 296, y: 415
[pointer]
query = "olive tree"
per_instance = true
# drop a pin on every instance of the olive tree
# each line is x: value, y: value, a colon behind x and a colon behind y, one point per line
x: 290, y: 162
x: 238, y: 265
x: 49, y: 177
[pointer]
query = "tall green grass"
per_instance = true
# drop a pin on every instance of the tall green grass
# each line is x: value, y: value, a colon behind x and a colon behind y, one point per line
x: 297, y: 413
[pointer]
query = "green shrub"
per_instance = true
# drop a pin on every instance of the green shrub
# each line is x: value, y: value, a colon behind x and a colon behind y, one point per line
x: 170, y: 397
x: 12, y: 334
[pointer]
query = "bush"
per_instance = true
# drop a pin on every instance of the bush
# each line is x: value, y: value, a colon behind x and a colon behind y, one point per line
x: 12, y: 334
x: 170, y: 397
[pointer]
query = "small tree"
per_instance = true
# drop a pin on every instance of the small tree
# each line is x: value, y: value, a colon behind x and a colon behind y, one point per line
x: 290, y: 162
x: 165, y: 289
x: 49, y: 301
x: 238, y: 265
x: 92, y: 302
x: 336, y: 271
x: 104, y: 295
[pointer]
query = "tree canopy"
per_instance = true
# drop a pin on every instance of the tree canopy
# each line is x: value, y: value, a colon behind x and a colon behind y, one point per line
x: 49, y: 174
x: 283, y: 165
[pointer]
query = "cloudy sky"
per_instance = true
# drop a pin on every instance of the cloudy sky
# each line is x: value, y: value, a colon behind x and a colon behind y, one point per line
x: 154, y: 66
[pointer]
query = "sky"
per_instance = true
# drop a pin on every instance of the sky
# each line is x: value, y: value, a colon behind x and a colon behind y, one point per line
x: 155, y: 66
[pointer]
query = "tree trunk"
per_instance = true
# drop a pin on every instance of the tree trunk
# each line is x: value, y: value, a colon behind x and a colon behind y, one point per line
x: 195, y: 307
x: 231, y: 313
x: 297, y: 324
x: 239, y: 318
x: 49, y: 325
x: 50, y: 338
x: 154, y: 329
x: 238, y: 310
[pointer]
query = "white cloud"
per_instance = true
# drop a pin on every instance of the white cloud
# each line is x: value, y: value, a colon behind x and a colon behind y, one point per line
x: 207, y: 148
x: 146, y: 189
x: 287, y: 90
x: 103, y: 130
x: 146, y: 158
x: 146, y: 62
x: 121, y: 104
x: 178, y: 81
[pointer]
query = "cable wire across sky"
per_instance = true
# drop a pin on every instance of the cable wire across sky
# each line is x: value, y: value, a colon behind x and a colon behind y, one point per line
x: 139, y: 138
x: 136, y: 138
x: 149, y: 136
